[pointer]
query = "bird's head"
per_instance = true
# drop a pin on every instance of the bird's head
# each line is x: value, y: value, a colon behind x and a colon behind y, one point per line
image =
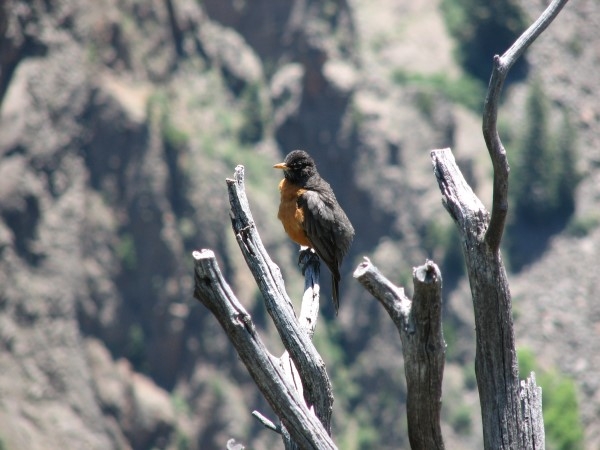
x: 297, y: 166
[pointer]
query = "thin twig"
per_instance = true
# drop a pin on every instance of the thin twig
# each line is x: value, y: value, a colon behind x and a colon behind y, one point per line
x: 266, y: 422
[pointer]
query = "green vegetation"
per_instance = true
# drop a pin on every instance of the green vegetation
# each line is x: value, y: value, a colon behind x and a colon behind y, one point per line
x: 173, y: 136
x: 357, y: 430
x: 442, y: 242
x: 543, y: 178
x: 182, y: 440
x: 135, y: 350
x: 576, y: 45
x: 561, y: 413
x: 568, y: 176
x: 465, y: 90
x: 180, y: 404
x: 254, y: 115
x: 451, y: 339
x: 126, y: 252
x: 229, y: 128
x: 470, y: 377
x: 482, y: 29
x: 536, y: 170
x: 457, y: 408
x: 461, y: 420
x: 359, y: 436
x: 582, y: 226
x: 562, y: 424
x: 327, y: 342
x: 425, y: 102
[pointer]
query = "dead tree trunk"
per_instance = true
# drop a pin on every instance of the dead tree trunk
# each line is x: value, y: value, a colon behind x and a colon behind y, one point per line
x: 419, y: 323
x: 212, y: 290
x: 496, y: 364
x: 511, y: 412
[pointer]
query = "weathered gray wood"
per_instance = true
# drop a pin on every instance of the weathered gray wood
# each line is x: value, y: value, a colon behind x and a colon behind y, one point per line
x: 309, y: 312
x: 311, y: 269
x: 391, y: 297
x: 304, y: 428
x: 266, y: 422
x: 419, y: 323
x: 495, y: 359
x: 295, y: 337
x: 533, y: 421
x: 505, y: 410
x: 502, y: 65
x: 424, y: 358
x: 496, y: 366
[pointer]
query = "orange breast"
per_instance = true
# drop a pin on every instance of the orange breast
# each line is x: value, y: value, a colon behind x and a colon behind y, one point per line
x: 290, y: 215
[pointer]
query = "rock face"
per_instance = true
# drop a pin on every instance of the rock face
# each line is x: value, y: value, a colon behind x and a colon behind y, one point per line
x: 119, y: 121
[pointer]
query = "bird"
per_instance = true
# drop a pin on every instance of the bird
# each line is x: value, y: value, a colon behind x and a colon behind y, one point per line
x: 311, y: 215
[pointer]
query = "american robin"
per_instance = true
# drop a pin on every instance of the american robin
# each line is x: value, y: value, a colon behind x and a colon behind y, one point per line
x: 311, y: 215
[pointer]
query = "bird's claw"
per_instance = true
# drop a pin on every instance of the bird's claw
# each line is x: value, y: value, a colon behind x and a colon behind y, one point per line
x: 307, y: 256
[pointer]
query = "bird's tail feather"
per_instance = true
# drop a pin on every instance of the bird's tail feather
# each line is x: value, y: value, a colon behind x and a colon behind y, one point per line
x: 335, y: 291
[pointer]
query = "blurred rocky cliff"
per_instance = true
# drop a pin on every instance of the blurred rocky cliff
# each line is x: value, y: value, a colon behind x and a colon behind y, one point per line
x: 121, y: 119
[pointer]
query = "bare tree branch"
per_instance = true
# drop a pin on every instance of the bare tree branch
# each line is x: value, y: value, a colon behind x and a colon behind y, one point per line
x: 511, y: 413
x: 496, y: 365
x: 505, y: 423
x: 309, y: 311
x: 391, y: 297
x: 424, y: 358
x: 502, y: 65
x: 266, y: 422
x: 420, y: 326
x: 311, y: 368
x: 212, y: 290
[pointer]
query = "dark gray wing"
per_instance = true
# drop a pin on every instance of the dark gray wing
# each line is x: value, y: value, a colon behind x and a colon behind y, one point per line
x: 319, y: 226
x: 329, y: 231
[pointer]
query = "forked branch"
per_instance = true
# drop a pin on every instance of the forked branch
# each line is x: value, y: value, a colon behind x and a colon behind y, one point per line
x: 419, y: 323
x: 294, y: 334
x: 213, y: 292
x: 296, y: 384
x: 501, y: 67
x: 511, y: 411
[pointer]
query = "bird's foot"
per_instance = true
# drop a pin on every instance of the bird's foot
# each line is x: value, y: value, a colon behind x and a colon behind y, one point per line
x: 307, y: 256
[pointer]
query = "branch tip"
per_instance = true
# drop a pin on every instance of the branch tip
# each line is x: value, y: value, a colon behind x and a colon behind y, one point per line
x: 205, y: 253
x: 428, y: 273
x: 266, y: 422
x: 362, y: 268
x: 239, y: 173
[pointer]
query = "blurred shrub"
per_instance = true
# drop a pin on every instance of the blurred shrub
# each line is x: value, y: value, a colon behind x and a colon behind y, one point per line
x: 582, y: 226
x: 483, y: 29
x: 465, y: 90
x: 543, y: 179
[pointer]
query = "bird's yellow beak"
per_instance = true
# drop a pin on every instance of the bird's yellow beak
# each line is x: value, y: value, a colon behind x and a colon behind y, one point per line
x: 280, y: 166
